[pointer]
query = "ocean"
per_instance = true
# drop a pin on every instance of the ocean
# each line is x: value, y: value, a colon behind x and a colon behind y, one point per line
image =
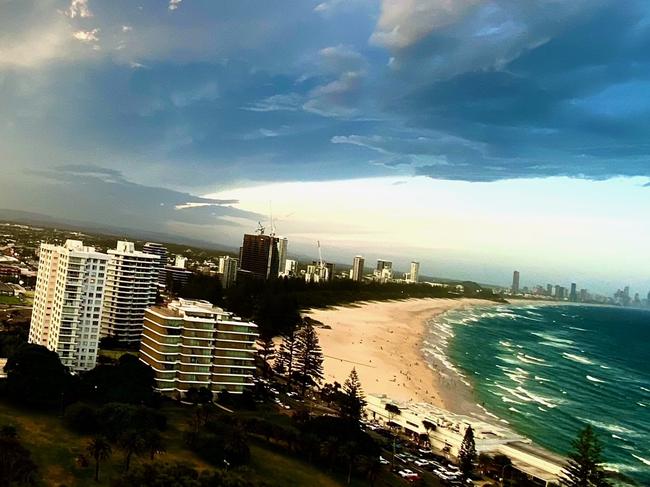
x: 549, y: 370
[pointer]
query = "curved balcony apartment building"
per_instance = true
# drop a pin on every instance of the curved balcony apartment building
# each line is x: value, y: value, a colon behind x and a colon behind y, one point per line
x: 194, y: 344
x: 131, y: 284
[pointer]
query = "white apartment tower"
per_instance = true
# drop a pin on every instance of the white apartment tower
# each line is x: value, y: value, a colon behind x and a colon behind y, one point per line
x: 68, y: 302
x: 291, y: 267
x: 228, y: 269
x: 414, y: 275
x: 357, y: 268
x: 283, y: 245
x: 161, y: 251
x: 131, y: 282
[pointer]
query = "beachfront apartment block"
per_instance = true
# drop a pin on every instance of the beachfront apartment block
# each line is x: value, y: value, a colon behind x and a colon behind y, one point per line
x: 67, y: 311
x: 131, y: 284
x: 195, y: 344
x: 445, y: 432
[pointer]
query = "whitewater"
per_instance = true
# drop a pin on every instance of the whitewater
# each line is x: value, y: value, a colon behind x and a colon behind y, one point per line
x: 548, y: 370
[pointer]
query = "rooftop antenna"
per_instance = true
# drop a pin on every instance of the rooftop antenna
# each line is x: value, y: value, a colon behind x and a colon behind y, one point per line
x: 260, y: 228
x: 271, y: 217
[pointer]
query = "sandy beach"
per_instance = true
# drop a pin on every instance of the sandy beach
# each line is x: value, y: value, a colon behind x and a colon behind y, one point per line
x: 383, y: 341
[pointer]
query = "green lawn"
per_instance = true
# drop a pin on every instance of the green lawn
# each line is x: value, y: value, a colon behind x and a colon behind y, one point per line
x: 10, y: 300
x: 55, y: 449
x: 116, y: 354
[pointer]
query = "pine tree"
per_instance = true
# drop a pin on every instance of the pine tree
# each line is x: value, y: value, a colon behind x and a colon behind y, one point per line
x: 353, y: 400
x: 309, y: 357
x: 266, y: 351
x: 285, y: 362
x: 584, y: 466
x: 467, y: 453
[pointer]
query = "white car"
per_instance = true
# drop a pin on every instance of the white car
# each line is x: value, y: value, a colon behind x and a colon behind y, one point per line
x: 407, y: 474
x: 383, y: 461
x: 421, y: 462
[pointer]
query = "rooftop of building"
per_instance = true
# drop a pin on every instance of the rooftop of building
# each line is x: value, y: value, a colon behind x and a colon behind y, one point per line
x: 181, y: 308
x: 448, y: 420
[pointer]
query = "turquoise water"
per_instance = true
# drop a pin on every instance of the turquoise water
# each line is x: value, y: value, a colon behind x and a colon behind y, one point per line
x: 549, y: 370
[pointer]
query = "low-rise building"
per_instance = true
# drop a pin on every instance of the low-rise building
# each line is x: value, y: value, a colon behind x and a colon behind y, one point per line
x: 445, y: 432
x: 195, y: 344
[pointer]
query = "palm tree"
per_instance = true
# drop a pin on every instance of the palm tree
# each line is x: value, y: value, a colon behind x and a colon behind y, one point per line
x: 131, y: 442
x: 153, y: 443
x: 99, y: 449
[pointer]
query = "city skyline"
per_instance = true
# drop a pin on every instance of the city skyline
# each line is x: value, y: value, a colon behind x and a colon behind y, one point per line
x: 388, y: 129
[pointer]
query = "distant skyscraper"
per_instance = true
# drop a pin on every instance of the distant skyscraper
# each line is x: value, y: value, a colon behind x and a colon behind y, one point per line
x: 357, y: 268
x: 515, y: 282
x: 161, y: 251
x: 549, y: 290
x: 384, y: 270
x: 414, y: 275
x: 290, y: 267
x: 283, y: 244
x: 228, y: 272
x: 67, y: 310
x: 573, y: 297
x: 131, y: 282
x: 259, y: 256
x: 176, y: 275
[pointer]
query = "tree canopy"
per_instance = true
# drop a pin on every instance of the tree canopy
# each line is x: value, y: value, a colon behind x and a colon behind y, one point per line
x: 467, y: 453
x: 584, y: 467
x: 36, y: 377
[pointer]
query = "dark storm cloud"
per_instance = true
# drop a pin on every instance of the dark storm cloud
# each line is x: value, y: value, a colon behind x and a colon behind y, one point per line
x: 214, y: 93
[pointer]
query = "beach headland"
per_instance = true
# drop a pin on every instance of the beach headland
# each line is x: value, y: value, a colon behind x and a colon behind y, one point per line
x: 384, y: 341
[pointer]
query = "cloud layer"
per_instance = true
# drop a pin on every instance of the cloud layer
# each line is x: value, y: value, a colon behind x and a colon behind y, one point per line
x: 201, y: 95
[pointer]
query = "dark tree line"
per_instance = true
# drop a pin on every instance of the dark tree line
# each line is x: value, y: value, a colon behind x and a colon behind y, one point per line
x: 275, y: 304
x: 37, y: 379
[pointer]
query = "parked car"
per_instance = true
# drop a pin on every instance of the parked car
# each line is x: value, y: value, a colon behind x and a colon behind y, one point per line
x: 408, y: 474
x: 421, y: 462
x: 383, y: 461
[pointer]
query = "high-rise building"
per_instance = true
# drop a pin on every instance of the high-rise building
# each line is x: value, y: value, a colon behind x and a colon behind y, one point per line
x: 283, y: 244
x: 161, y: 251
x: 291, y: 267
x: 259, y: 256
x: 549, y: 290
x: 131, y: 282
x: 228, y: 271
x: 176, y: 275
x: 515, y: 282
x: 67, y: 312
x: 317, y: 273
x: 194, y: 344
x: 384, y: 270
x: 357, y: 268
x: 414, y: 275
x: 573, y: 296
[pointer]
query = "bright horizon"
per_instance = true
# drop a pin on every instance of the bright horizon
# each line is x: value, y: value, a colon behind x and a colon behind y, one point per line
x: 475, y: 136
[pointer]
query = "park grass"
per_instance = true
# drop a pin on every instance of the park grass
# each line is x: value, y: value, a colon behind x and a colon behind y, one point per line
x: 10, y: 300
x: 280, y: 469
x: 116, y: 354
x: 55, y: 449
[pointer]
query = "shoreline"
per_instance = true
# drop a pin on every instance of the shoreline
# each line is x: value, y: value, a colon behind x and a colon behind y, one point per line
x: 385, y: 341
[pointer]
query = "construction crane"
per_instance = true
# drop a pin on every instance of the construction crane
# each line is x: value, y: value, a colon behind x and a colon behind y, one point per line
x: 260, y: 228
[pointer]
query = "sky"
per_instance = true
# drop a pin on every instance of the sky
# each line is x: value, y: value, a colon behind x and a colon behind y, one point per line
x: 474, y: 136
